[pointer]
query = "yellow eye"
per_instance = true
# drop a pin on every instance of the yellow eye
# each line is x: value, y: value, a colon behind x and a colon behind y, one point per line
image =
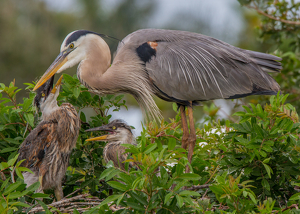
x: 113, y: 127
x: 71, y: 45
x: 43, y: 94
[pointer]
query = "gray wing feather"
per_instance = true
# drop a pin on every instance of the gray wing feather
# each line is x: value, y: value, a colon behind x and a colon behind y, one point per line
x: 191, y: 66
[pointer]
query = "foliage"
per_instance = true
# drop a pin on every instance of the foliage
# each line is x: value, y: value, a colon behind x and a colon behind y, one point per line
x: 14, y: 194
x: 280, y: 28
x: 245, y: 167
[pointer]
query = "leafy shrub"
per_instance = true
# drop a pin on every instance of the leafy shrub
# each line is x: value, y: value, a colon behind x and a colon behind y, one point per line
x: 245, y: 167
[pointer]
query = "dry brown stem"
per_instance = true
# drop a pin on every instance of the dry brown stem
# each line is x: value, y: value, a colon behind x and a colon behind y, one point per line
x: 273, y: 17
x: 67, y: 205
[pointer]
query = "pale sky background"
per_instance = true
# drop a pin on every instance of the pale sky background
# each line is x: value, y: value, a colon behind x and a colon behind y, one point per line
x: 223, y: 17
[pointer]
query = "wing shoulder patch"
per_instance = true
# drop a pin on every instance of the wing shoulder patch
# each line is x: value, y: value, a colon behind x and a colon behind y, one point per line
x: 146, y: 51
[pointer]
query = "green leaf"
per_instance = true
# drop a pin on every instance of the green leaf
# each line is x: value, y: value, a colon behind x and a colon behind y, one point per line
x: 16, y: 194
x: 248, y: 170
x: 252, y: 197
x: 11, y: 187
x: 139, y: 198
x: 189, y: 176
x: 216, y: 189
x: 189, y: 193
x: 179, y: 201
x: 167, y: 197
x: 29, y: 118
x: 44, y: 206
x: 106, y: 172
x: 109, y: 199
x: 19, y: 173
x: 21, y: 204
x: 242, y: 140
x: 266, y: 160
x: 9, y: 149
x: 32, y: 187
x: 76, y: 211
x: 117, y: 185
x: 172, y: 143
x: 295, y: 197
x: 150, y: 148
x: 268, y: 169
x: 136, y: 206
x: 40, y: 195
x: 4, y: 184
x: 265, y: 184
x: 76, y: 92
x: 13, y: 160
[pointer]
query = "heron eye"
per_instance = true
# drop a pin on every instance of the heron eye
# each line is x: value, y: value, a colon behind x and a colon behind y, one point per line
x: 71, y: 46
x: 113, y: 127
x: 43, y: 94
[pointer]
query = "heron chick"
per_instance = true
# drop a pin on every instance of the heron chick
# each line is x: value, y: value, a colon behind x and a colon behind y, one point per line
x: 118, y: 133
x: 47, y: 148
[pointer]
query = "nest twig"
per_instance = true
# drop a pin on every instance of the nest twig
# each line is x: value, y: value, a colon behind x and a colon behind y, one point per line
x: 67, y: 205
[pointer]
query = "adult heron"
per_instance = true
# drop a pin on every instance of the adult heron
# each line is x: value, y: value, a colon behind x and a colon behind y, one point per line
x: 47, y: 148
x: 177, y: 66
x: 118, y: 133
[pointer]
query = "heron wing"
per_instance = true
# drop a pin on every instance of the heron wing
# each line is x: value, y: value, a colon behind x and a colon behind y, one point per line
x: 189, y: 66
x: 34, y: 147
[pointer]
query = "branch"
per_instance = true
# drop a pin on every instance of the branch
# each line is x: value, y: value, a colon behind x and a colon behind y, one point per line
x: 205, y: 186
x: 287, y: 208
x: 273, y: 17
x: 66, y: 203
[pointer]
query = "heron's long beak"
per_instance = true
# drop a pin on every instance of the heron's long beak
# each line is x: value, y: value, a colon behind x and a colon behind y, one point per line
x: 101, y: 128
x: 103, y: 137
x: 54, y: 67
x: 57, y: 85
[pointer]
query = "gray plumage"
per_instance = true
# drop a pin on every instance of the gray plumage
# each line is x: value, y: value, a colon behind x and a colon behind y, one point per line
x: 193, y: 67
x: 177, y: 66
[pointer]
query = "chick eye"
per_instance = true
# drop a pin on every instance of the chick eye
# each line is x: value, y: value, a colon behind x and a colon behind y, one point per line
x: 71, y: 45
x: 43, y: 94
x: 113, y: 127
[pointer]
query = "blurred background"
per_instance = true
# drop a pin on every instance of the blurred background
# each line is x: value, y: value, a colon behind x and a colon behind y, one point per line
x: 33, y: 30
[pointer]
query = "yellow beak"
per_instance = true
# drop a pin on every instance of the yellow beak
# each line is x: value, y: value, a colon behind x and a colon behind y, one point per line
x: 54, y: 67
x: 57, y: 85
x: 103, y: 137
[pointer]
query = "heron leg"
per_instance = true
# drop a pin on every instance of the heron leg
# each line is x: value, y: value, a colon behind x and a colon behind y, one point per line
x: 41, y: 182
x: 185, y: 135
x: 58, y: 193
x: 192, y: 137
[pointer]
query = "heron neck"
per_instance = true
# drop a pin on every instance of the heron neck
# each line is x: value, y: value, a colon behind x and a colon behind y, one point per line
x: 91, y: 70
x: 48, y: 108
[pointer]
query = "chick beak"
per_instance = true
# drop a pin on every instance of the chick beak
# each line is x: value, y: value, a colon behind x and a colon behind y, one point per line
x: 54, y: 67
x: 57, y: 85
x: 100, y: 138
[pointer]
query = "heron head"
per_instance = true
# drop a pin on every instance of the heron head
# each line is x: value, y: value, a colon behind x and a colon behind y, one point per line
x: 118, y: 130
x: 76, y: 47
x: 47, y: 94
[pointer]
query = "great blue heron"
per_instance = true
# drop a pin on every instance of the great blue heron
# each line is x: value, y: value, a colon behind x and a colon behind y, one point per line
x: 177, y: 66
x: 47, y: 148
x: 119, y: 133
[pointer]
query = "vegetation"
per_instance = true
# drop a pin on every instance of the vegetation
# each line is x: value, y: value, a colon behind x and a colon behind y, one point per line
x: 252, y: 166
x: 249, y: 166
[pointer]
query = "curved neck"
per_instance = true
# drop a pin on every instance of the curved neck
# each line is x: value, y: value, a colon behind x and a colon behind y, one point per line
x: 96, y: 63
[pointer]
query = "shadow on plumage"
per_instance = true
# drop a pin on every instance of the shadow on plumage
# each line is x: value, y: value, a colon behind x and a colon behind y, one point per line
x: 47, y: 148
x: 177, y: 66
x: 118, y: 133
